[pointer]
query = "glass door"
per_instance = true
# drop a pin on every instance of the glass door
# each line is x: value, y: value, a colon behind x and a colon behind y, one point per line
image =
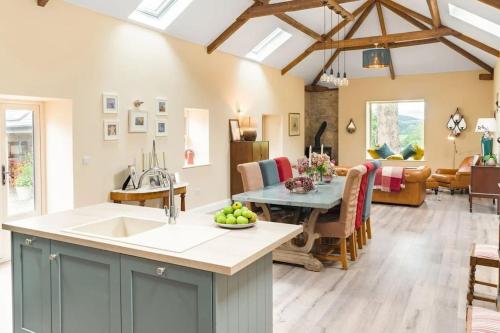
x: 19, y: 163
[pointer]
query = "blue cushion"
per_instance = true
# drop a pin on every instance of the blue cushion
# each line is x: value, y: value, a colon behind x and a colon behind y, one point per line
x: 269, y: 172
x: 369, y: 190
x: 384, y: 151
x: 408, y: 151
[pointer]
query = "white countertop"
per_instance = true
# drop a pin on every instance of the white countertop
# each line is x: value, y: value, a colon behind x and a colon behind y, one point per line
x: 226, y: 254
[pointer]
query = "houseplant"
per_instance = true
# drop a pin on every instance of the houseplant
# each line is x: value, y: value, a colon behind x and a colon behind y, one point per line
x: 24, y: 181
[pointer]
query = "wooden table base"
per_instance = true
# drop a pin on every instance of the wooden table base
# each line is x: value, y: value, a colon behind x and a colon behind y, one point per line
x: 141, y: 197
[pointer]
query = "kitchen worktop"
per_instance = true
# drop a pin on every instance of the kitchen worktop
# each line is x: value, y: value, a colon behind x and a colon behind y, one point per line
x: 227, y: 252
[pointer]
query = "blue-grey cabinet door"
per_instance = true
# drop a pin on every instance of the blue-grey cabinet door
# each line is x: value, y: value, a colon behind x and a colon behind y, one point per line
x: 31, y: 284
x: 85, y: 290
x: 164, y: 298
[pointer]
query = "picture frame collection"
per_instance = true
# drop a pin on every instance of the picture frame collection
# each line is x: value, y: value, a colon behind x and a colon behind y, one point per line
x: 138, y: 121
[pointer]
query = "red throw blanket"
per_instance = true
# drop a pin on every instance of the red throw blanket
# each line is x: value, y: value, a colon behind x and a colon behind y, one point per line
x: 389, y: 179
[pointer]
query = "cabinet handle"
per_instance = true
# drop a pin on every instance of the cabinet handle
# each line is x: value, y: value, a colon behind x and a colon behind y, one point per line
x: 53, y: 257
x: 29, y: 241
x: 160, y: 271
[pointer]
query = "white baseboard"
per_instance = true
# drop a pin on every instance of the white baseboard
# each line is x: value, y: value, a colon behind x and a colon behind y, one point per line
x: 212, y: 207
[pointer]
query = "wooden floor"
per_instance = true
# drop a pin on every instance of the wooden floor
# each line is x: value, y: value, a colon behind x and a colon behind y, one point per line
x: 412, y: 277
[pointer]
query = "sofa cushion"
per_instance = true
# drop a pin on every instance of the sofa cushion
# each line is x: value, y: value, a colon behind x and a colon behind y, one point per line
x: 395, y: 157
x: 384, y: 151
x: 419, y: 152
x: 373, y: 153
x: 408, y: 151
x: 443, y: 178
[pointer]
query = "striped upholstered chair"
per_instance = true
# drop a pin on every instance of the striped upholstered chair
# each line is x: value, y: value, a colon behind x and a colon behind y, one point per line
x: 284, y: 168
x: 342, y: 226
x: 481, y: 320
x: 482, y: 255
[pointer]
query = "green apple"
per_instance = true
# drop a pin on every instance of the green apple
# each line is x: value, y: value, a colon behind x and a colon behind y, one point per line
x: 244, y: 208
x: 228, y: 210
x: 231, y: 219
x: 221, y: 219
x: 230, y: 215
x: 242, y: 220
x: 248, y: 214
x: 237, y: 205
x: 237, y: 213
x: 253, y: 219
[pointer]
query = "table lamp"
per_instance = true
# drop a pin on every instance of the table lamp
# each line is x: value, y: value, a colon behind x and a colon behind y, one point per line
x: 488, y: 126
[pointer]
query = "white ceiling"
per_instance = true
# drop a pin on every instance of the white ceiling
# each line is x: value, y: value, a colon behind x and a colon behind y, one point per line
x: 204, y: 20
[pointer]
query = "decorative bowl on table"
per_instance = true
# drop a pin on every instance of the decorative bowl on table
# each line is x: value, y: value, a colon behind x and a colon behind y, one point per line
x: 300, y: 185
x: 235, y: 216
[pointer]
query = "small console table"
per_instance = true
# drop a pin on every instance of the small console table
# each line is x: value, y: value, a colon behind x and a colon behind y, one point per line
x: 484, y: 184
x: 147, y: 193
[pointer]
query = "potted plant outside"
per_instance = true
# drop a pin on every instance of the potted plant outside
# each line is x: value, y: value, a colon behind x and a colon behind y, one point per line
x: 24, y: 181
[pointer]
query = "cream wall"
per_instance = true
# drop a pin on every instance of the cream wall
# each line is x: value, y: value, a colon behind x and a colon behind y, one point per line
x: 496, y: 98
x: 443, y: 93
x: 63, y: 51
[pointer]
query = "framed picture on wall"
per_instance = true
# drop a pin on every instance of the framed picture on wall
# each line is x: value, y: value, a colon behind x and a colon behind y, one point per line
x: 110, y: 103
x: 111, y: 129
x: 137, y: 121
x: 161, y: 127
x: 293, y: 124
x: 161, y: 106
x: 234, y: 129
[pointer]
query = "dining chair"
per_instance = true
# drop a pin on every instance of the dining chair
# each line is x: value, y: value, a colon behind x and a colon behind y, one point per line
x: 361, y: 202
x: 269, y: 172
x: 342, y: 226
x: 251, y: 176
x: 284, y: 168
x: 482, y: 255
x: 366, y: 227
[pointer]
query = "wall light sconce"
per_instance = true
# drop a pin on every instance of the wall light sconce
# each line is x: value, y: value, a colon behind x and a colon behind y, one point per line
x: 138, y: 103
x: 351, y: 127
x: 456, y: 123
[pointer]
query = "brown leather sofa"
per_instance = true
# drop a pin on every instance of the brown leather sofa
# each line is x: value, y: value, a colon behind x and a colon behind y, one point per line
x: 412, y: 195
x: 454, y: 179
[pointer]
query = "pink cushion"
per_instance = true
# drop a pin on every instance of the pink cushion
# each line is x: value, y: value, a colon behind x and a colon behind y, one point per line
x: 484, y: 320
x: 486, y: 251
x: 284, y: 168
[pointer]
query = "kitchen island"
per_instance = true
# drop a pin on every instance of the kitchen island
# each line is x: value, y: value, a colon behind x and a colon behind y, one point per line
x: 119, y: 268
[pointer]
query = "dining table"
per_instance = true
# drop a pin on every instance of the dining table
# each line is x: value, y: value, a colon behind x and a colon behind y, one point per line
x: 314, y: 203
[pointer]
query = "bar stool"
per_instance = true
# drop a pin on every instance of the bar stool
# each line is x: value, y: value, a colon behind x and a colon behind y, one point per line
x: 482, y: 255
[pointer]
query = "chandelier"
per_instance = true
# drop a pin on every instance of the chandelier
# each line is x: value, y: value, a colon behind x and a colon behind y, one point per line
x: 330, y: 77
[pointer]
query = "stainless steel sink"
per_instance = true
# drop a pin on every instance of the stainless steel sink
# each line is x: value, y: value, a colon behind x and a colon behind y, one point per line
x: 119, y: 227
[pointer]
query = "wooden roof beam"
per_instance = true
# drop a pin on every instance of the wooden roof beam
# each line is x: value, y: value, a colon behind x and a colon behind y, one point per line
x: 445, y: 41
x: 486, y: 48
x: 42, y: 3
x: 328, y: 35
x: 288, y: 6
x: 492, y: 3
x: 392, y: 38
x: 434, y: 9
x: 299, y: 26
x: 349, y: 35
x: 381, y: 21
x: 333, y: 4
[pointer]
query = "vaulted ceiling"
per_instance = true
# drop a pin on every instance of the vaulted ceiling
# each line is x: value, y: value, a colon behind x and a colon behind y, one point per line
x: 462, y: 47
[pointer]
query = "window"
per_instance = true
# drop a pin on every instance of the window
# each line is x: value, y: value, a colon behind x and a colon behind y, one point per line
x: 397, y: 123
x: 269, y: 44
x: 475, y: 20
x: 197, y: 138
x: 159, y: 13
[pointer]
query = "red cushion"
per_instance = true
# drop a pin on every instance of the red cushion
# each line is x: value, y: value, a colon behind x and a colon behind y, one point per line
x: 362, y: 194
x: 284, y: 168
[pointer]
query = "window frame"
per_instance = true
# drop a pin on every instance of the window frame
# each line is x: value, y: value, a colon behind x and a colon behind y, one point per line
x: 368, y: 123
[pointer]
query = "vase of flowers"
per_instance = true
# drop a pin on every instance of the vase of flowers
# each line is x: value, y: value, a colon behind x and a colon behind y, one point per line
x: 321, y: 167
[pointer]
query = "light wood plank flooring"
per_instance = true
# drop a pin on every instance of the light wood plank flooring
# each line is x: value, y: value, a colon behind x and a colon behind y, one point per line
x: 412, y: 277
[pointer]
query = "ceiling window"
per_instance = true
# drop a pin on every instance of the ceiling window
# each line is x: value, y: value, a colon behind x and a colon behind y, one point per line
x: 159, y: 13
x: 475, y: 20
x: 269, y: 44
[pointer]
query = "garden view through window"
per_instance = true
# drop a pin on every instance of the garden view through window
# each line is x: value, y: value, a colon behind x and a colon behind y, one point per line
x: 395, y: 123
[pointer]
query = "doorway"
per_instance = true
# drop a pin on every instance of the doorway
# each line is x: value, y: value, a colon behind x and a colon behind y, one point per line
x: 20, y: 166
x: 272, y: 131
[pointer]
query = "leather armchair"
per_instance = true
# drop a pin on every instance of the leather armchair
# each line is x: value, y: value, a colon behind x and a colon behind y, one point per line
x: 455, y: 179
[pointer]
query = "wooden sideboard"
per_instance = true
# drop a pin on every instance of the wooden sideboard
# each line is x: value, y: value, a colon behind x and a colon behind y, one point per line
x: 244, y: 152
x: 484, y: 184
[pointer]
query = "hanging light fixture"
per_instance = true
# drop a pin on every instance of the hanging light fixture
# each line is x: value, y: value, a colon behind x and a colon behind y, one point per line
x: 324, y: 77
x: 376, y: 58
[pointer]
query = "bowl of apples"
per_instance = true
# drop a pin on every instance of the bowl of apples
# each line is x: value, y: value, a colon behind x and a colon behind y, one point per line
x: 235, y: 216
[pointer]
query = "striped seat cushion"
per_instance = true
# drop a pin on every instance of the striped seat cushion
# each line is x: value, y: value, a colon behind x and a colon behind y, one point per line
x: 486, y: 251
x: 484, y: 321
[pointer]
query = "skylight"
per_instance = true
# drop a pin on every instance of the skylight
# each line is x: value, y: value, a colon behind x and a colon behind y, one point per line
x: 475, y: 20
x: 269, y: 44
x: 159, y: 13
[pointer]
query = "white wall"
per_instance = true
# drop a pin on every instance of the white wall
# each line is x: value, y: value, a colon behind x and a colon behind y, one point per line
x: 67, y: 52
